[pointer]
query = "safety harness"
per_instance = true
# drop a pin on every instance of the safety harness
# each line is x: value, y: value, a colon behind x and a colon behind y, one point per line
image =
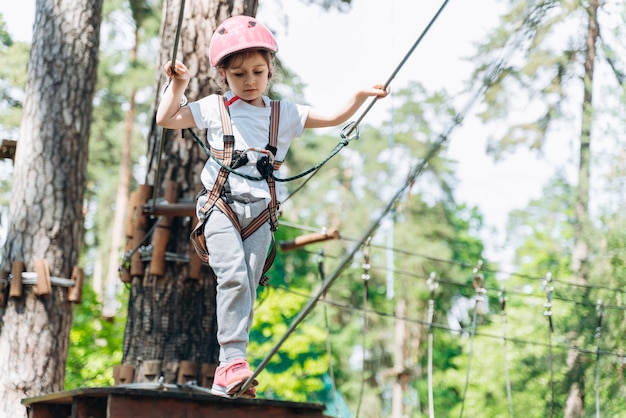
x: 219, y: 195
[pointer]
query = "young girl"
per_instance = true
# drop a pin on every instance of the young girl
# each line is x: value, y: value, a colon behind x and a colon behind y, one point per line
x: 242, y: 50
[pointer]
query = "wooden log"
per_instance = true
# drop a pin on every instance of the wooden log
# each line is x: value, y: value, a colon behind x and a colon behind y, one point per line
x: 44, y: 285
x: 195, y: 265
x: 75, y: 294
x: 172, y: 209
x: 162, y: 234
x: 137, y: 267
x: 187, y: 372
x: 307, y: 239
x: 149, y: 371
x: 132, y: 211
x: 123, y: 373
x: 15, y: 290
x: 124, y: 269
x: 207, y: 373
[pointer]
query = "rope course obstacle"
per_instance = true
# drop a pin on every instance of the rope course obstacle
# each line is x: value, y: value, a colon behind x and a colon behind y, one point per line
x: 351, y: 132
x: 554, y: 342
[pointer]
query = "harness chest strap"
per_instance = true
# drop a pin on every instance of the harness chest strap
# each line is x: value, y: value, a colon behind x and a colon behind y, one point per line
x: 214, y: 197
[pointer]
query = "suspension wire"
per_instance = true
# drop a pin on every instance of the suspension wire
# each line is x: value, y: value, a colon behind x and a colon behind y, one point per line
x: 466, y: 265
x: 503, y: 298
x: 397, y: 70
x: 452, y: 282
x: 331, y: 372
x: 366, y: 278
x: 479, y: 298
x: 618, y: 354
x: 609, y: 55
x: 599, y: 313
x: 432, y: 285
x: 129, y: 254
x: 548, y: 314
x: 157, y: 175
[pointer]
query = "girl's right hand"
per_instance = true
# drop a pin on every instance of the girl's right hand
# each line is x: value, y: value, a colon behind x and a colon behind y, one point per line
x: 180, y: 71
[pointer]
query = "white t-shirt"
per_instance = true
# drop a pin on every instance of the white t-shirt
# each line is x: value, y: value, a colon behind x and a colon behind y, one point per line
x: 251, y: 126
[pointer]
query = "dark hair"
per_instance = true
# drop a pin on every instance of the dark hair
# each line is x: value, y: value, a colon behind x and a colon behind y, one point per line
x: 239, y: 56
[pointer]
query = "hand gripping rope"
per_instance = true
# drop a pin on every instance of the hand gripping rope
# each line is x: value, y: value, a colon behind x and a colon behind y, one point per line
x: 347, y: 134
x: 157, y: 175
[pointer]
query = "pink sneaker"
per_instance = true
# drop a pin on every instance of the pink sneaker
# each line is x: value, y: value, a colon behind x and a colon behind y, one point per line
x: 229, y: 379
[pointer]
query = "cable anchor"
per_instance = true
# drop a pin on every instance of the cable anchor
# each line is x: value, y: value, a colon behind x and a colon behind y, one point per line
x: 548, y: 305
x: 433, y: 284
x: 481, y: 292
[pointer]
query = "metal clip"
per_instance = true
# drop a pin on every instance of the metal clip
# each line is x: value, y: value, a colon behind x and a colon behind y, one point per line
x: 366, y: 260
x: 548, y: 305
x: 350, y: 132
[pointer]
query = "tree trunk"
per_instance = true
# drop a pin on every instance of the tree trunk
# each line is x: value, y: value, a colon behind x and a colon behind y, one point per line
x: 575, y: 404
x: 46, y: 211
x: 171, y: 316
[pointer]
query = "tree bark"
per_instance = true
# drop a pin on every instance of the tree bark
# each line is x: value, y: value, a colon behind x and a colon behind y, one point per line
x: 575, y: 404
x: 46, y: 211
x: 171, y: 317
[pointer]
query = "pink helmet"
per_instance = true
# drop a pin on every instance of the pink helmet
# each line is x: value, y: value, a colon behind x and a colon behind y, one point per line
x: 238, y: 33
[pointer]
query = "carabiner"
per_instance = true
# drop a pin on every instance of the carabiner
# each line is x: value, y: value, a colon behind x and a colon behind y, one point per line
x: 350, y: 132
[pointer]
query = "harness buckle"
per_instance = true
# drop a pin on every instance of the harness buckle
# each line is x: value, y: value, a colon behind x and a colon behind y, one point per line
x: 265, y: 166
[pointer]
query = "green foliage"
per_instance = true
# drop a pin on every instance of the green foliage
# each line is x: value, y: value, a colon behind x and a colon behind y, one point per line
x: 297, y: 369
x: 538, y: 47
x: 95, y: 345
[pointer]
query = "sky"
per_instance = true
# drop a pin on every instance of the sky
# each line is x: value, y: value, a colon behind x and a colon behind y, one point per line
x: 336, y: 53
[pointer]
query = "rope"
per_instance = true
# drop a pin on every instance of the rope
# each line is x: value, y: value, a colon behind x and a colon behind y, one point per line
x: 599, y: 312
x: 30, y: 278
x: 129, y: 254
x: 206, y: 149
x: 480, y: 293
x: 397, y: 70
x: 617, y: 352
x: 366, y: 278
x: 157, y: 175
x: 494, y: 272
x: 331, y: 371
x: 502, y: 297
x: 432, y: 285
x: 548, y: 313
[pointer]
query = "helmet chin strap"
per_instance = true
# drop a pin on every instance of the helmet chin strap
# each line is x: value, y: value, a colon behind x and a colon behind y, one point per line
x: 232, y: 100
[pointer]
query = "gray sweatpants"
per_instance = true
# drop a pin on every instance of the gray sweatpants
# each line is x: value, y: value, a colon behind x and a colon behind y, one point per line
x: 238, y: 266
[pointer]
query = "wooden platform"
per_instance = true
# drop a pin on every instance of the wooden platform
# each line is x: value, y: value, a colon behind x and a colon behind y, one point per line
x: 167, y: 401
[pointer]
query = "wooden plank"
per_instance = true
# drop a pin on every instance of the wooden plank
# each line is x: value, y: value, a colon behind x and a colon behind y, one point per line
x: 144, y: 407
x: 169, y: 402
x: 49, y: 411
x: 89, y: 407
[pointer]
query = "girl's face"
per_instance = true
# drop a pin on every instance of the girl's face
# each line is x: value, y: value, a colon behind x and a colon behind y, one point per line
x: 247, y: 76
